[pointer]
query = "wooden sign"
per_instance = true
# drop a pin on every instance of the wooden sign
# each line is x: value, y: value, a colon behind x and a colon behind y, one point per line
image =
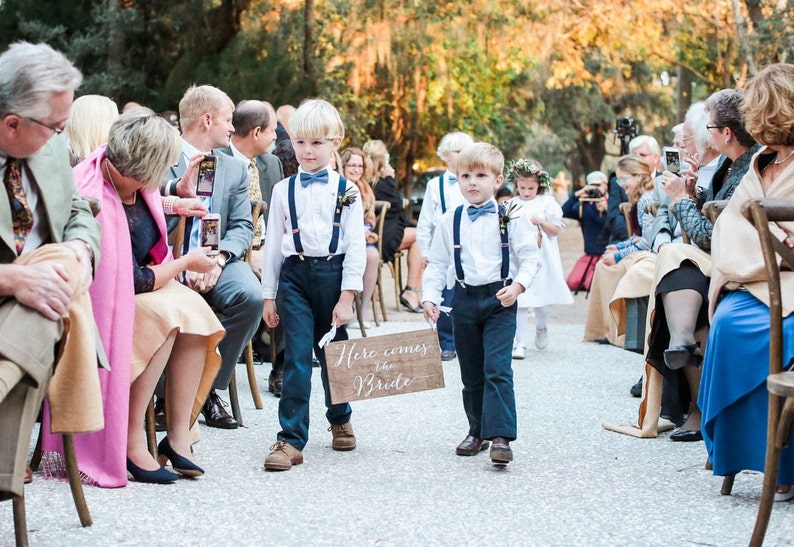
x: 379, y: 366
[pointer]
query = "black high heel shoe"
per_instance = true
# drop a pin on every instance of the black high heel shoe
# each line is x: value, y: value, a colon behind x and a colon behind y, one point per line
x: 404, y: 301
x: 161, y: 476
x: 682, y: 356
x: 180, y: 464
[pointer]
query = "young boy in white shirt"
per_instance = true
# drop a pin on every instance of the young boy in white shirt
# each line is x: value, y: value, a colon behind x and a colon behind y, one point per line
x: 493, y: 258
x: 313, y: 265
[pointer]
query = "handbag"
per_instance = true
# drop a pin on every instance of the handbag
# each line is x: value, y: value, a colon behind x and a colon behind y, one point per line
x: 581, y: 275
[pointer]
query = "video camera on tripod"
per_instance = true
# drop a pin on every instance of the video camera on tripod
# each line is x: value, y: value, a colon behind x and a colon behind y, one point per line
x: 625, y: 130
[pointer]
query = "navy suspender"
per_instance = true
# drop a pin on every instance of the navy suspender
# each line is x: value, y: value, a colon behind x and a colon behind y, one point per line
x: 293, y: 216
x: 457, y: 248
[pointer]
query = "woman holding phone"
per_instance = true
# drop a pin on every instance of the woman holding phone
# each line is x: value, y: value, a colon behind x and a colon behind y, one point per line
x: 148, y: 322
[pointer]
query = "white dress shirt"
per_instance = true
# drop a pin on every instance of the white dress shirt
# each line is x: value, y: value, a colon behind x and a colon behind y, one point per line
x: 430, y: 214
x: 314, y: 206
x: 481, y: 253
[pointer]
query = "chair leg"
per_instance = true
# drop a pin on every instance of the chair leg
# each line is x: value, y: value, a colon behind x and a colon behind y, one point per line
x: 727, y: 485
x: 150, y: 423
x: 249, y: 368
x: 235, y: 402
x: 777, y: 419
x: 374, y: 304
x: 74, y: 480
x: 359, y: 315
x: 35, y: 460
x: 20, y: 521
x: 381, y: 301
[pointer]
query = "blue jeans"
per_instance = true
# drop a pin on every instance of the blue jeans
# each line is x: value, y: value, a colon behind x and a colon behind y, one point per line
x: 307, y: 293
x: 444, y: 326
x: 484, y: 332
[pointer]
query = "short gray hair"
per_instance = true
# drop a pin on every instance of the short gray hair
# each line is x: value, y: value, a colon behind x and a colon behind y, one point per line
x: 641, y: 140
x: 698, y: 118
x: 724, y: 107
x: 142, y: 145
x: 30, y: 74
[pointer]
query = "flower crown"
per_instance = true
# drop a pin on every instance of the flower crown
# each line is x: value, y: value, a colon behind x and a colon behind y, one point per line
x: 528, y: 168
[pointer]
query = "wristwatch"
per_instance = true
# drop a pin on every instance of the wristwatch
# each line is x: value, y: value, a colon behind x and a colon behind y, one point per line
x: 221, y: 260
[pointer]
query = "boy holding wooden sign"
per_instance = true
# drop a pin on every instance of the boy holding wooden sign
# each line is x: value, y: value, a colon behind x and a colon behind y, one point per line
x: 493, y: 260
x: 313, y: 264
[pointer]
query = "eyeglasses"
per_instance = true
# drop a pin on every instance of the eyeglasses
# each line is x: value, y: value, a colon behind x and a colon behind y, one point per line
x: 354, y: 166
x: 645, y: 154
x: 710, y: 126
x: 624, y: 180
x: 56, y: 130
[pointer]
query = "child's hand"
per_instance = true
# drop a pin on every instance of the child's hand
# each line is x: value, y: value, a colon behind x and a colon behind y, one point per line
x: 608, y: 258
x: 508, y: 295
x: 343, y: 311
x: 612, y: 248
x: 537, y: 220
x: 269, y: 314
x: 431, y: 311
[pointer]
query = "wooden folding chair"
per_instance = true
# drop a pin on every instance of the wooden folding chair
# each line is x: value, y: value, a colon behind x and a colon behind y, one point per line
x: 381, y: 208
x: 779, y: 384
x: 258, y: 208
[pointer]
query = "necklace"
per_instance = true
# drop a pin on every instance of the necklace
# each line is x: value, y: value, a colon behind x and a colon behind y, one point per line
x: 113, y: 184
x: 784, y: 160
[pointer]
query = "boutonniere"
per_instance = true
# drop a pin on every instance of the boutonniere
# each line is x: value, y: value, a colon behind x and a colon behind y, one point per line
x: 348, y: 198
x: 507, y: 212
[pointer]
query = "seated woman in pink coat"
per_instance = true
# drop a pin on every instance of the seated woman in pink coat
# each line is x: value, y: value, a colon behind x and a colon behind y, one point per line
x: 148, y: 322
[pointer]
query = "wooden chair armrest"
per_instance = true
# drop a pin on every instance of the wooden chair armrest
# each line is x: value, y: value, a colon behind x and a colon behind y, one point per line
x: 712, y: 209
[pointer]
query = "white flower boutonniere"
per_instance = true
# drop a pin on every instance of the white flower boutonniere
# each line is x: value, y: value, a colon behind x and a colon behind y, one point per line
x: 507, y: 212
x: 348, y: 198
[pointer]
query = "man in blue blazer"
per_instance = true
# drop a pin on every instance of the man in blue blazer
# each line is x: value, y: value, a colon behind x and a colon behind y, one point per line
x: 205, y: 114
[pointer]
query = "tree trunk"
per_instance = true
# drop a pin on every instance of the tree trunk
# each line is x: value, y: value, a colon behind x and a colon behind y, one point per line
x: 683, y: 92
x: 309, y: 66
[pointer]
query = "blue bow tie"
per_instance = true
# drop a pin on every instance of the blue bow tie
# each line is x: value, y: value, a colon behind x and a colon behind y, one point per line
x: 452, y: 179
x: 320, y: 176
x: 476, y: 212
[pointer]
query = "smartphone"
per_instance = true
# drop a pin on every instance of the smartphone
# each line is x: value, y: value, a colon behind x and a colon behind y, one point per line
x: 206, y: 176
x: 672, y: 159
x: 211, y: 233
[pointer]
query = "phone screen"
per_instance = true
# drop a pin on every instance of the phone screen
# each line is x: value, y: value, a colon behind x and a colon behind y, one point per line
x: 672, y: 159
x: 211, y: 233
x: 206, y: 176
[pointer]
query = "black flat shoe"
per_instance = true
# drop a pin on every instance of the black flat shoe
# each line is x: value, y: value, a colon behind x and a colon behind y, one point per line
x: 404, y: 301
x: 682, y: 356
x: 180, y: 464
x: 686, y: 436
x: 160, y: 476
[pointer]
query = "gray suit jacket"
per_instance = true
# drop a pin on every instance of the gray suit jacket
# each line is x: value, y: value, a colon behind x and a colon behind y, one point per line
x: 270, y: 172
x: 229, y: 200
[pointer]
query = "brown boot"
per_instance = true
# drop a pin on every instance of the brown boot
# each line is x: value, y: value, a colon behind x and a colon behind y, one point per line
x: 344, y: 438
x: 282, y: 457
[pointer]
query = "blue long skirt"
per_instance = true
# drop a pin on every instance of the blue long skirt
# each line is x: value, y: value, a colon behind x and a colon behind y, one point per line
x: 733, y: 395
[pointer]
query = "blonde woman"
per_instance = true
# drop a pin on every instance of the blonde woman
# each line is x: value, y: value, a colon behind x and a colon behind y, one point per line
x: 399, y: 234
x: 88, y: 125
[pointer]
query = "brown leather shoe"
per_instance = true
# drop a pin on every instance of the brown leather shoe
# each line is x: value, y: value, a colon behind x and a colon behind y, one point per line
x: 344, y: 438
x: 215, y: 415
x: 282, y: 457
x: 471, y: 446
x: 28, y: 475
x: 500, y: 451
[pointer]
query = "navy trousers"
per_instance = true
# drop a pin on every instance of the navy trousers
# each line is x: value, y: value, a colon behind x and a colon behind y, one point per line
x: 308, y: 290
x: 484, y: 332
x: 444, y: 326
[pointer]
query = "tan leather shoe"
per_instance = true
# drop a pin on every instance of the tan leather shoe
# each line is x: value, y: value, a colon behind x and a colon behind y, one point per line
x: 344, y: 438
x: 282, y: 457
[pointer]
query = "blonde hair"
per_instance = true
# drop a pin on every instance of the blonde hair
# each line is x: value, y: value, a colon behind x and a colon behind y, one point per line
x: 768, y: 106
x: 636, y: 165
x: 316, y: 119
x: 452, y: 142
x: 142, y: 145
x: 89, y: 124
x: 481, y: 155
x: 377, y: 152
x: 200, y: 100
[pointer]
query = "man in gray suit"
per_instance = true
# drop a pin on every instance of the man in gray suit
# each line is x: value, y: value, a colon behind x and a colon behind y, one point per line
x: 205, y: 114
x: 49, y: 240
